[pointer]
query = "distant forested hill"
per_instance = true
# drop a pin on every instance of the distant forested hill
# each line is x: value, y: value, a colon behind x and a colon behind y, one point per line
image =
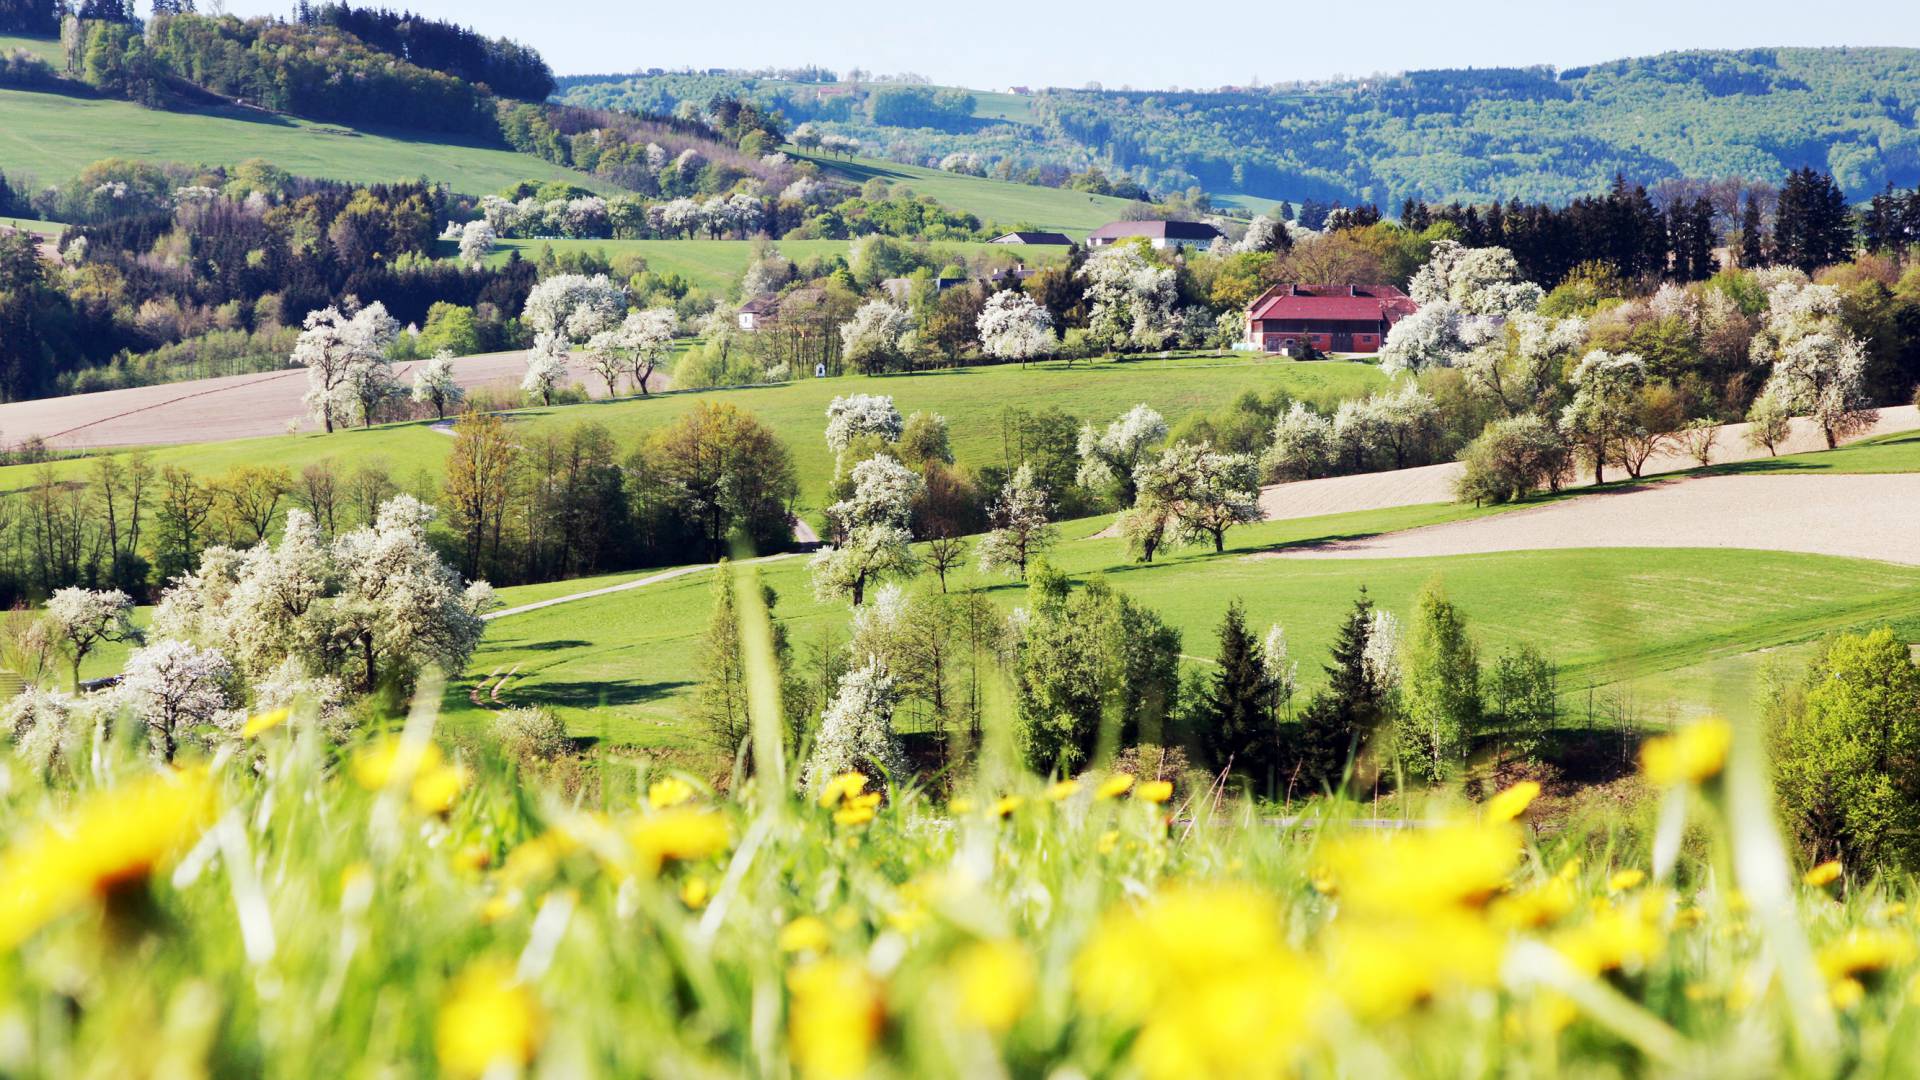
x: 1528, y: 133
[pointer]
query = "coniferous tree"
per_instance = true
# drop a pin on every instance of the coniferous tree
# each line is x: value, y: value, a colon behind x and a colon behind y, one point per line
x: 1241, y: 701
x: 1753, y: 241
x: 1812, y: 225
x: 1341, y: 717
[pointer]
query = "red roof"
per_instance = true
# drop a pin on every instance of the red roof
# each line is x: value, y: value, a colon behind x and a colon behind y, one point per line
x: 1350, y: 303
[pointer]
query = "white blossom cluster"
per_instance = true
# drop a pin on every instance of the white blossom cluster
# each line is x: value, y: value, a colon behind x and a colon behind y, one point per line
x: 348, y: 374
x: 854, y: 415
x: 1013, y: 326
x: 1134, y: 300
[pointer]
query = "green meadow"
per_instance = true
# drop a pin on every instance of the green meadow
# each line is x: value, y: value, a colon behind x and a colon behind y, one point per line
x: 716, y: 265
x: 1073, y: 212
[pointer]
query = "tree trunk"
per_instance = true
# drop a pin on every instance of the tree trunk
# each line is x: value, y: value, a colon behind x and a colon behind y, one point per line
x: 366, y: 650
x: 1219, y: 541
x: 642, y: 380
x: 1832, y: 443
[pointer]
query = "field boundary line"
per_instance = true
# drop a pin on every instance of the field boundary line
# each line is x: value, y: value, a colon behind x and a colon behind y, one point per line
x: 608, y: 590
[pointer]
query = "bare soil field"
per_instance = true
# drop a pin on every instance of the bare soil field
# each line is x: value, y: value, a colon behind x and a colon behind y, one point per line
x: 233, y: 407
x: 1434, y: 483
x: 1865, y: 516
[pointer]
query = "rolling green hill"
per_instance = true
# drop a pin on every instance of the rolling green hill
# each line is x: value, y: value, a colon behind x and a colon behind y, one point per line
x: 972, y: 399
x: 1073, y: 212
x: 52, y: 136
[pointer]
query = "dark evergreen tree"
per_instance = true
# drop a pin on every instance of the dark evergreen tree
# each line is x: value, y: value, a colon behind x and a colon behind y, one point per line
x: 1753, y: 238
x: 1340, y: 718
x: 1812, y: 225
x: 1240, y: 733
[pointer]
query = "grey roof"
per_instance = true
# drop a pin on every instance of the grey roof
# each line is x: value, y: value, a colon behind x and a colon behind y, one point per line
x: 1156, y: 230
x: 1018, y: 237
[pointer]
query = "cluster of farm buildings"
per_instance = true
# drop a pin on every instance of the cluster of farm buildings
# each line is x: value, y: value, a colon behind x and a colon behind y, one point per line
x: 1290, y: 319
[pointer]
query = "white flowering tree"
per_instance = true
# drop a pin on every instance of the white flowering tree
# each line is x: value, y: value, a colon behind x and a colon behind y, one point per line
x: 1283, y: 672
x: 1202, y: 492
x: 399, y: 608
x: 1109, y: 457
x: 854, y: 415
x: 1521, y: 368
x: 1606, y: 389
x: 344, y: 356
x: 41, y: 725
x: 1266, y: 233
x: 856, y: 731
x: 434, y: 384
x: 574, y: 307
x: 173, y: 687
x: 546, y: 367
x: 476, y: 241
x: 1134, y: 300
x: 874, y: 340
x: 648, y: 338
x: 1405, y: 421
x: 1302, y: 446
x: 84, y: 619
x: 868, y: 531
x: 1013, y: 326
x: 1481, y: 281
x: 1022, y: 525
x: 1818, y: 369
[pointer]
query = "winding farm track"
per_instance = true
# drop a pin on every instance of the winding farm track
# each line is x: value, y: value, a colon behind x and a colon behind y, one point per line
x: 230, y: 407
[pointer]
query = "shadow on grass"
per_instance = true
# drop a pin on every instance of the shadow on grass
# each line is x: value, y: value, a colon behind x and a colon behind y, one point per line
x: 595, y: 693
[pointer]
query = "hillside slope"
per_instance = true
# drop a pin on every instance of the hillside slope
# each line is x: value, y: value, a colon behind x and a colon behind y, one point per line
x: 1530, y: 133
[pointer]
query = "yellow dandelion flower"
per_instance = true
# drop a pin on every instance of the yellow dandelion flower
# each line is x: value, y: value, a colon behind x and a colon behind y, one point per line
x: 499, y: 907
x: 1108, y: 841
x: 1153, y: 791
x: 834, y: 1020
x: 803, y: 934
x: 1614, y: 939
x: 960, y: 806
x: 1823, y: 875
x: 489, y: 1020
x: 1626, y: 880
x: 391, y: 760
x: 435, y: 789
x: 473, y: 858
x: 1692, y: 755
x: 669, y: 792
x: 694, y: 892
x: 1062, y: 790
x: 113, y: 840
x: 1865, y: 951
x: 1397, y: 875
x: 993, y: 982
x: 853, y: 815
x: 869, y: 801
x: 1846, y: 994
x: 1114, y: 786
x: 1007, y: 804
x: 1382, y: 968
x: 1512, y: 802
x: 263, y: 722
x: 1535, y: 907
x: 1569, y: 870
x: 842, y: 787
x: 679, y: 834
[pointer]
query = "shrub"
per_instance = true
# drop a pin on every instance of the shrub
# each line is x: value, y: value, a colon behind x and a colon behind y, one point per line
x: 529, y: 735
x: 1150, y: 762
x: 1845, y: 740
x: 1512, y: 459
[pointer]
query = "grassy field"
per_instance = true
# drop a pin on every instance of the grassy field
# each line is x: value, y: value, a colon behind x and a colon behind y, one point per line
x: 1073, y: 212
x: 972, y: 399
x: 1671, y: 630
x: 42, y: 228
x: 716, y: 265
x: 1897, y: 453
x: 53, y: 136
x: 47, y: 49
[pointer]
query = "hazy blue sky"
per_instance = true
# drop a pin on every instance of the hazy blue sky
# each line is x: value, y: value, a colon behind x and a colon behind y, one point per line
x: 1051, y: 42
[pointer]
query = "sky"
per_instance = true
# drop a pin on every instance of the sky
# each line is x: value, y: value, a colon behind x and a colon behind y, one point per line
x: 1129, y: 43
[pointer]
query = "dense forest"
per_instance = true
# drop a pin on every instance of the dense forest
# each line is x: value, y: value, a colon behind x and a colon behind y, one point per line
x: 1479, y: 135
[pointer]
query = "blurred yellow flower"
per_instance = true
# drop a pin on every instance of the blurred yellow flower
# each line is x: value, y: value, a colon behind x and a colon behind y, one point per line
x: 112, y: 840
x: 1823, y: 875
x: 853, y: 815
x: 960, y: 806
x: 1114, y: 786
x: 1531, y: 908
x: 834, y: 1020
x: 1007, y: 804
x: 993, y: 982
x: 1107, y: 842
x: 1626, y: 880
x: 842, y: 787
x: 1421, y: 871
x: 1153, y: 791
x: 679, y: 834
x: 671, y: 791
x: 1693, y: 754
x: 261, y: 722
x: 1382, y: 968
x: 1846, y: 994
x: 1863, y: 951
x: 488, y: 1020
x: 694, y: 892
x: 435, y: 789
x: 390, y: 760
x: 1061, y: 790
x: 1615, y: 938
x: 803, y: 934
x: 1512, y: 802
x: 1206, y: 977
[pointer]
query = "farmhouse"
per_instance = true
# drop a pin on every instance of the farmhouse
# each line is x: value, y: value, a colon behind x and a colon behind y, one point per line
x: 1330, y: 318
x: 1051, y: 239
x: 1161, y: 234
x: 759, y: 311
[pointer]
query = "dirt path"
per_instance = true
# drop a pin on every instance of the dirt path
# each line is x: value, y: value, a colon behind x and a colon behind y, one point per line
x: 1863, y: 516
x: 1434, y: 483
x: 637, y: 583
x: 230, y: 407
